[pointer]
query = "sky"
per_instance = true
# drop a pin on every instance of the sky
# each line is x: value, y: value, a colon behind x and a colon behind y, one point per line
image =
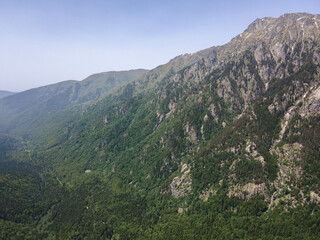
x: 44, y: 42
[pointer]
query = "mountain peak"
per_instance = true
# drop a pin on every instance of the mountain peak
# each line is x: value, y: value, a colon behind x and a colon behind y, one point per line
x: 259, y: 24
x: 288, y: 30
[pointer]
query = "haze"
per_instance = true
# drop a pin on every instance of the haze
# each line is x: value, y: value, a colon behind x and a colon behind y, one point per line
x: 44, y: 42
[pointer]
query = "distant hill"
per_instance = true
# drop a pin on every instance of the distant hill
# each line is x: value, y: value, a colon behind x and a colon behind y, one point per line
x: 5, y: 94
x: 17, y: 108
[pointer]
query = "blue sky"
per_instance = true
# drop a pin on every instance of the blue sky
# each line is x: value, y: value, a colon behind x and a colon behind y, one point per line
x: 44, y: 42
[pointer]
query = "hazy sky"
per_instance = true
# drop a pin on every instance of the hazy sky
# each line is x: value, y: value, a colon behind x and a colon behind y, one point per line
x: 44, y: 42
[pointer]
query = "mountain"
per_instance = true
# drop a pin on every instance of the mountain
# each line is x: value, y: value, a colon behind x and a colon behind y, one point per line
x: 5, y: 94
x: 219, y: 144
x: 22, y: 107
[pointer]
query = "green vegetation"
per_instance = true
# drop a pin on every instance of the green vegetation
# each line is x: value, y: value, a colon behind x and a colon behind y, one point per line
x: 20, y: 111
x: 205, y: 128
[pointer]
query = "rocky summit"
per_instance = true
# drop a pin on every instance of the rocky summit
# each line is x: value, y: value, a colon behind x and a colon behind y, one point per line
x: 219, y: 144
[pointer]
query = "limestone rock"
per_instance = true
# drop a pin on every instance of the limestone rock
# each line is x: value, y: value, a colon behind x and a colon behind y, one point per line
x: 314, y: 197
x: 181, y: 185
x: 312, y: 105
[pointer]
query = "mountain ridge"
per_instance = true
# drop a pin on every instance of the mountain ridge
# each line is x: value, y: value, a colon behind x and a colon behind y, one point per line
x: 4, y: 94
x: 222, y: 143
x: 59, y: 96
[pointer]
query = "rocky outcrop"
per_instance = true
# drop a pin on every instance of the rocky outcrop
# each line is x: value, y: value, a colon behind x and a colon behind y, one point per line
x: 314, y: 197
x: 311, y: 105
x: 191, y: 133
x: 248, y: 190
x: 289, y: 174
x: 105, y: 120
x: 288, y: 161
x: 251, y: 148
x: 204, y: 196
x: 181, y: 185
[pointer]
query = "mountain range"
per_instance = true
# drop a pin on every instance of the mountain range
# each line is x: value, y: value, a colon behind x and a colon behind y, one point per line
x: 219, y: 144
x: 18, y: 110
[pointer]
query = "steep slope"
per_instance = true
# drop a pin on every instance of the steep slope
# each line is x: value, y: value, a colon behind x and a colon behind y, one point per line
x: 5, y: 94
x: 210, y: 129
x: 18, y: 109
x: 220, y: 144
x: 211, y: 89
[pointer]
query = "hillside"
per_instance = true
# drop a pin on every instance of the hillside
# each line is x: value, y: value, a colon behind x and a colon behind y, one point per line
x: 219, y: 144
x: 18, y: 111
x: 5, y: 94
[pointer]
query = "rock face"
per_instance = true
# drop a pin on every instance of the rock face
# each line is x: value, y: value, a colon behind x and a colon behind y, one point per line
x: 270, y: 70
x: 251, y: 148
x: 311, y: 105
x: 290, y: 171
x: 247, y: 191
x: 314, y: 197
x: 181, y: 185
x: 192, y: 134
x: 204, y: 196
x: 274, y: 60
